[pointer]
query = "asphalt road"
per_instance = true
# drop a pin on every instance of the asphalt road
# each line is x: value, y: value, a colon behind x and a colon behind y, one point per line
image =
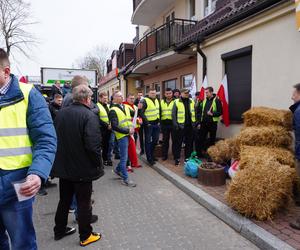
x: 154, y: 215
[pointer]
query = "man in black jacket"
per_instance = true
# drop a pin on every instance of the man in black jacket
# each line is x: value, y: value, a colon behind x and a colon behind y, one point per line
x: 55, y: 105
x: 78, y: 162
x: 105, y: 127
x: 208, y: 116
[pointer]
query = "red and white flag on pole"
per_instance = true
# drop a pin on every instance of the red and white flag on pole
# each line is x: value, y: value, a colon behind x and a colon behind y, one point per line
x: 202, y: 90
x: 223, y: 96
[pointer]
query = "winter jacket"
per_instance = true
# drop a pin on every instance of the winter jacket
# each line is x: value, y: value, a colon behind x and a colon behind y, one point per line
x: 78, y: 156
x: 207, y: 118
x: 295, y: 108
x: 40, y: 128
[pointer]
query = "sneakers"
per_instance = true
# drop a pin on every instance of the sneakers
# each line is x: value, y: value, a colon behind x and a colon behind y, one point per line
x: 129, y: 169
x: 177, y: 162
x: 109, y: 163
x: 105, y: 163
x: 128, y: 183
x: 72, y: 210
x: 151, y: 163
x: 68, y: 231
x: 91, y: 239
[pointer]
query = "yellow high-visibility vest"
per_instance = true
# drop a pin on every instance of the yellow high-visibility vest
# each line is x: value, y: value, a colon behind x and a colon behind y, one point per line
x: 102, y: 113
x: 166, y: 110
x: 181, y: 111
x: 152, y: 110
x: 124, y: 120
x: 214, y: 109
x: 15, y: 144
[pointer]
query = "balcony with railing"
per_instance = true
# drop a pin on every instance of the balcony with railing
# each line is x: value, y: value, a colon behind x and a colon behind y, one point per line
x: 162, y: 38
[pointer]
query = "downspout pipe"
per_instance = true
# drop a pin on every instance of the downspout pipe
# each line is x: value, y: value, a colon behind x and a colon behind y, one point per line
x: 204, y: 60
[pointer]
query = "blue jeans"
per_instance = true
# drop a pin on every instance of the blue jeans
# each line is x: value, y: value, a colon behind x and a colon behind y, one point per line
x: 16, y: 219
x: 151, y: 140
x: 15, y: 216
x: 123, y: 147
x: 113, y: 146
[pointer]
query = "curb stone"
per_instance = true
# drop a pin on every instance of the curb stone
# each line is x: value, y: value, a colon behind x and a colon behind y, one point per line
x: 259, y: 236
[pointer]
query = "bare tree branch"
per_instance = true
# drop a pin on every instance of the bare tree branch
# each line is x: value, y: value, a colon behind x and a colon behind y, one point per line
x: 95, y: 59
x: 15, y: 18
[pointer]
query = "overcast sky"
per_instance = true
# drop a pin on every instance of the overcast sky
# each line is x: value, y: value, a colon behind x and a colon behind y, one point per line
x: 68, y: 29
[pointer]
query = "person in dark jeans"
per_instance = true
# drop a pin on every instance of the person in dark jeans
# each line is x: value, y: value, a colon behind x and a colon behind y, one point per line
x: 208, y: 116
x: 184, y: 121
x: 105, y: 127
x: 150, y: 114
x: 77, y: 163
x: 166, y: 107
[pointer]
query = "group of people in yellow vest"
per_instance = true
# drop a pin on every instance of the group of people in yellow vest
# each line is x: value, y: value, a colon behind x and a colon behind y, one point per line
x: 186, y: 121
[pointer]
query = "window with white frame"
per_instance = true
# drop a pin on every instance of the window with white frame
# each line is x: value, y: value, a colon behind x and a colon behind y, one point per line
x: 187, y: 81
x: 209, y: 7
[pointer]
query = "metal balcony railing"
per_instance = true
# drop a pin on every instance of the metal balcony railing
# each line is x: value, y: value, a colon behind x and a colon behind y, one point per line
x: 162, y: 38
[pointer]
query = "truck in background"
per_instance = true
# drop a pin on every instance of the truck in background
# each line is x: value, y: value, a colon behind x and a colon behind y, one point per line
x: 50, y: 75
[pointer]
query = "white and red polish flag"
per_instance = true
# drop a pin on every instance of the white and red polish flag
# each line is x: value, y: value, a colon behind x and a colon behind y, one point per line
x: 223, y: 96
x: 202, y: 90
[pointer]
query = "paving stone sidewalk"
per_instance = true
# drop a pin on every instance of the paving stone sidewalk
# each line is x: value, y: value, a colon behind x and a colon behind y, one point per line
x: 154, y: 215
x: 279, y: 227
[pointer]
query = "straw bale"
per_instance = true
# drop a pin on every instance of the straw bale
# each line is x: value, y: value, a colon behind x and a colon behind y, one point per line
x: 224, y: 151
x: 259, y: 155
x: 272, y: 136
x: 263, y: 116
x: 260, y: 191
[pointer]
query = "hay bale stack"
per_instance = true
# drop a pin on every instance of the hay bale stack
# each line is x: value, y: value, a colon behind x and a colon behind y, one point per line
x: 259, y: 155
x: 272, y: 136
x: 224, y: 151
x: 260, y: 191
x: 262, y: 116
x: 234, y: 146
